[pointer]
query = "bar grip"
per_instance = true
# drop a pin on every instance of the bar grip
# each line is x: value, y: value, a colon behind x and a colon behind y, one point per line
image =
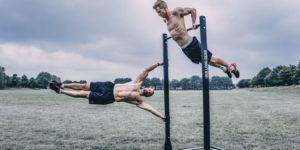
x: 191, y: 28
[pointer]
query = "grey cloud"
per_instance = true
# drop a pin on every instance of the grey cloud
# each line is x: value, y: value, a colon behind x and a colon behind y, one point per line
x: 53, y: 20
x: 65, y: 25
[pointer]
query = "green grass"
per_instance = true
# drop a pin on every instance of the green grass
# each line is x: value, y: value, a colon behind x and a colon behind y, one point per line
x: 259, y: 119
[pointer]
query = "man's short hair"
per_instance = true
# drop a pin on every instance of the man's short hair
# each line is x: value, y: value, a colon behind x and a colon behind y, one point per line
x: 160, y: 4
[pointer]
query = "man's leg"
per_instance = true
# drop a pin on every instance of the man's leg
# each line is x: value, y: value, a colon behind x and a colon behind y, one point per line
x: 84, y: 86
x: 217, y: 61
x: 225, y: 66
x: 82, y: 94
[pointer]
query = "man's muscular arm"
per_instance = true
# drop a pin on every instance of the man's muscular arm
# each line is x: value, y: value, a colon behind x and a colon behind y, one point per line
x: 186, y: 11
x: 139, y: 102
x: 141, y: 77
x: 149, y: 108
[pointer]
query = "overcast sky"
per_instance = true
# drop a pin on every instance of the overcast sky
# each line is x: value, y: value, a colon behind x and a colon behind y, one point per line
x: 101, y: 40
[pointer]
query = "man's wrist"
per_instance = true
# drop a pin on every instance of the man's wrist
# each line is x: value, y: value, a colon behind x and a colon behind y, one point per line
x: 158, y: 64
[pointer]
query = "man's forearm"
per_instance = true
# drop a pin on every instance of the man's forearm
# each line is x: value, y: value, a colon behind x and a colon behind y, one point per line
x: 145, y: 73
x: 157, y: 114
x: 194, y: 16
x: 151, y: 109
x: 152, y: 67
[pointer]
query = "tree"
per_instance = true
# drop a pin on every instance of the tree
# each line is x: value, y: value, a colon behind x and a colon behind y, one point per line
x: 146, y: 83
x: 8, y: 81
x: 2, y: 78
x: 286, y: 74
x: 227, y: 83
x: 122, y: 80
x: 32, y: 83
x: 55, y: 78
x: 221, y: 83
x: 15, y: 80
x: 258, y: 80
x: 244, y: 83
x: 184, y: 83
x: 156, y: 83
x: 215, y: 83
x: 272, y: 79
x: 24, y: 81
x: 67, y: 82
x: 82, y: 81
x: 296, y: 76
x: 253, y: 82
x: 195, y: 83
x: 174, y: 84
x: 43, y: 79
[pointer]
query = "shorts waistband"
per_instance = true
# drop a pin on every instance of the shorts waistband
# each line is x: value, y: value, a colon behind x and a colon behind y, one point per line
x: 187, y: 43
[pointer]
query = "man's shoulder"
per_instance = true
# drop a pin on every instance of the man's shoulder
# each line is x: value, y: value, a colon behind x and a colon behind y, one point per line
x: 135, y: 97
x: 136, y: 83
x: 135, y: 94
x: 177, y: 9
x: 129, y: 83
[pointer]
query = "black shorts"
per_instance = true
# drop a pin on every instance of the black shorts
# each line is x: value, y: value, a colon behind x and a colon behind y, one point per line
x: 101, y: 93
x: 193, y: 52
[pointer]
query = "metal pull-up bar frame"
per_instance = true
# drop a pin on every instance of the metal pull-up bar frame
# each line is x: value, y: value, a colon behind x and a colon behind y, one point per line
x: 205, y: 78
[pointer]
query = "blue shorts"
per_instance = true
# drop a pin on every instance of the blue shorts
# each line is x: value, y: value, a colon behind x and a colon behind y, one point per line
x: 101, y: 93
x: 193, y: 51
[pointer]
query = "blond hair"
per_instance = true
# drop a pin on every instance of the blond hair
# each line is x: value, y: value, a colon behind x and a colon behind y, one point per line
x: 160, y: 4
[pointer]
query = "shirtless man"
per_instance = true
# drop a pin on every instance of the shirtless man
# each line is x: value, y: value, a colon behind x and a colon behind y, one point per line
x: 107, y: 92
x: 175, y: 22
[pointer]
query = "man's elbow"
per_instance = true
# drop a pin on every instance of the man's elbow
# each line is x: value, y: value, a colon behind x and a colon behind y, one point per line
x: 148, y: 69
x: 194, y: 11
x: 140, y: 105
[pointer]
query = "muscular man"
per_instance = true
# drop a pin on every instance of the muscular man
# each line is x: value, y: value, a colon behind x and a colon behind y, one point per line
x: 174, y: 20
x: 107, y: 92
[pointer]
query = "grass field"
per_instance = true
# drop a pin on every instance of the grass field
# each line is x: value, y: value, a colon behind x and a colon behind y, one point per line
x: 261, y: 119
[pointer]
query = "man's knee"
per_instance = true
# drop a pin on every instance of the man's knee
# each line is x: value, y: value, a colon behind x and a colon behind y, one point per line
x: 86, y: 86
x: 87, y: 94
x: 213, y: 60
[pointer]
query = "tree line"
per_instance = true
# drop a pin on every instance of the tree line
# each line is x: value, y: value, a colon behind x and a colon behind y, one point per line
x: 266, y: 77
x: 44, y: 78
x: 41, y: 81
x: 278, y: 76
x: 192, y: 83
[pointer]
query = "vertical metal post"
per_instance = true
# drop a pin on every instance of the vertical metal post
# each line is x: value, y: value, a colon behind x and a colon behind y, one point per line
x: 168, y: 145
x: 205, y: 77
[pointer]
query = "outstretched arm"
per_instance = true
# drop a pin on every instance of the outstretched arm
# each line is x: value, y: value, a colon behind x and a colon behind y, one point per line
x: 141, y: 77
x: 149, y: 108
